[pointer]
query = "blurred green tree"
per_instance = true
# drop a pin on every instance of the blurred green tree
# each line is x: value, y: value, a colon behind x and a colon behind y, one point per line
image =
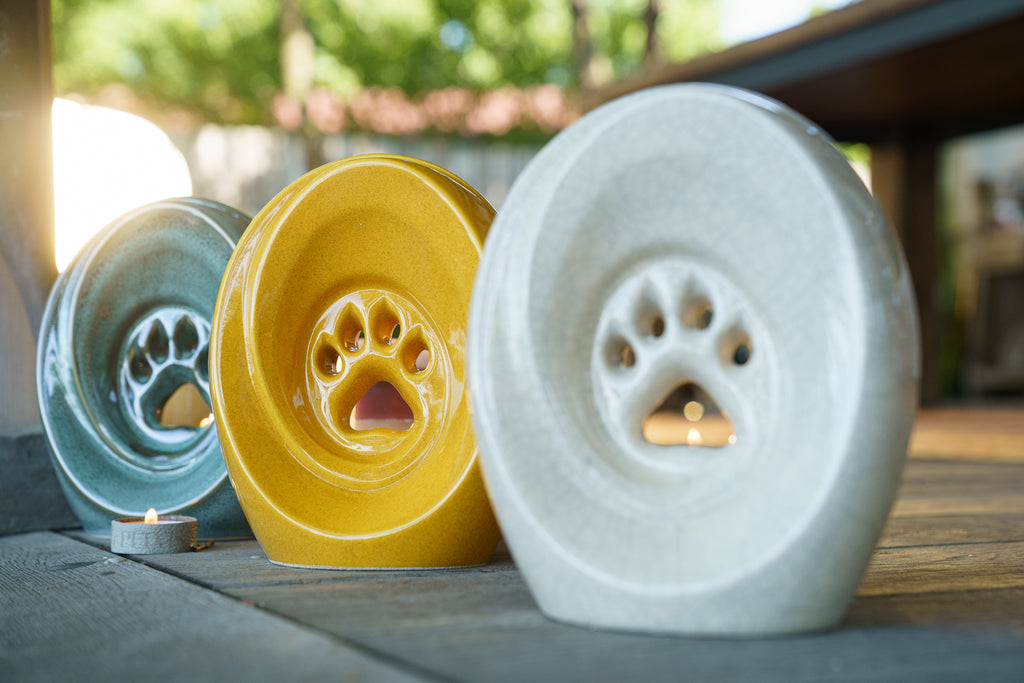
x: 222, y: 59
x: 218, y: 59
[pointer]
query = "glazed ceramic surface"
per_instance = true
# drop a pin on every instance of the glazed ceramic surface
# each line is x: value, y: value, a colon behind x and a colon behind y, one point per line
x: 126, y: 325
x: 706, y: 236
x: 358, y: 273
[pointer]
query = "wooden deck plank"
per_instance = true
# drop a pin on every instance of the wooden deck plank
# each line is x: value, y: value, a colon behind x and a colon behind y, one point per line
x: 934, y: 569
x: 73, y: 612
x: 907, y: 530
x: 544, y: 650
x: 1004, y: 607
x: 921, y: 476
x: 387, y: 603
x: 969, y: 433
x: 960, y: 487
x: 238, y: 565
x: 953, y: 504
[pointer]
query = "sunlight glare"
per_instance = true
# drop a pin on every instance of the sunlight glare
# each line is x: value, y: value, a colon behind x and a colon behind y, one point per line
x: 106, y: 163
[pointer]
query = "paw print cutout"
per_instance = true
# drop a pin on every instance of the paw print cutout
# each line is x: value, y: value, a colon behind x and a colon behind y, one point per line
x: 371, y: 370
x: 165, y: 351
x: 676, y: 364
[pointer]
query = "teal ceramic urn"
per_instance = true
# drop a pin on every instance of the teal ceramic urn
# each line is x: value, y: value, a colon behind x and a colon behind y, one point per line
x: 122, y: 371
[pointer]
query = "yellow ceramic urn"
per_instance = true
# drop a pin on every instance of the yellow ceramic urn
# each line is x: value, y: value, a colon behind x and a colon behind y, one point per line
x: 338, y: 372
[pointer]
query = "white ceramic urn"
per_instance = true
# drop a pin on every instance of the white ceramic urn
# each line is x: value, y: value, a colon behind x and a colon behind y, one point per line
x: 695, y: 258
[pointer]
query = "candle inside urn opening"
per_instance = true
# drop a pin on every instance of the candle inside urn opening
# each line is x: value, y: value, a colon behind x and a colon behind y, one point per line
x: 689, y: 416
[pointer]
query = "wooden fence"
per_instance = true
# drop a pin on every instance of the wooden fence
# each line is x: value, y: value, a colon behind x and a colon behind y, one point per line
x: 245, y: 166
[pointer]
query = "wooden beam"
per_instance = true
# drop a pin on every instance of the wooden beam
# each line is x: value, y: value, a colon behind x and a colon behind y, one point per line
x: 720, y: 66
x: 904, y: 179
x: 864, y: 69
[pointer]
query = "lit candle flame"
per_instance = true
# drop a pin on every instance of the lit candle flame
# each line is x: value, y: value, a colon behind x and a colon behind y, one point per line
x: 206, y: 421
x: 693, y: 437
x: 151, y: 516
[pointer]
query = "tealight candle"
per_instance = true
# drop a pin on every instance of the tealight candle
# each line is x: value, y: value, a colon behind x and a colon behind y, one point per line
x: 153, y: 534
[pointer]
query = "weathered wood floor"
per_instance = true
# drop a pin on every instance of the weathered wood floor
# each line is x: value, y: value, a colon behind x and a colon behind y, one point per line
x: 943, y: 599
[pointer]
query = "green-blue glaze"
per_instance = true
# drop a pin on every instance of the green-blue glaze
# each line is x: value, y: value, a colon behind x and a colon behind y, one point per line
x: 126, y: 324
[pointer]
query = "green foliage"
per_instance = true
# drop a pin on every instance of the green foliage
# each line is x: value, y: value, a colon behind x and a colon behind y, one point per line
x: 220, y: 58
x: 856, y: 152
x: 685, y: 28
x: 217, y: 58
x: 689, y: 28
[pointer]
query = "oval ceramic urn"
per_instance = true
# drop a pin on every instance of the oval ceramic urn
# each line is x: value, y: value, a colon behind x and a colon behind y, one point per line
x: 694, y: 363
x: 122, y: 375
x: 338, y: 369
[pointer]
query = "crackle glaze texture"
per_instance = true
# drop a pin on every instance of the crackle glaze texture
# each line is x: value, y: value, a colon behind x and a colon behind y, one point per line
x: 707, y: 235
x: 126, y: 324
x: 358, y: 273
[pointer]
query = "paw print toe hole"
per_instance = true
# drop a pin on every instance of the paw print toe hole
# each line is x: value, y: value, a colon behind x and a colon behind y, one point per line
x: 350, y: 330
x: 698, y: 313
x: 157, y: 342
x: 354, y: 341
x: 736, y: 348
x: 328, y: 361
x: 619, y: 353
x: 185, y: 337
x: 741, y: 355
x: 381, y: 407
x: 627, y: 356
x: 415, y: 354
x: 384, y: 322
x: 138, y: 367
x: 688, y: 416
x: 649, y: 320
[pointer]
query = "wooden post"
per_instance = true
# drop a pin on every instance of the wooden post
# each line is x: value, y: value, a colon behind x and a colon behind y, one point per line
x: 26, y: 165
x: 582, y: 49
x: 29, y: 495
x: 904, y: 179
x: 26, y: 201
x: 652, y: 49
x: 297, y: 71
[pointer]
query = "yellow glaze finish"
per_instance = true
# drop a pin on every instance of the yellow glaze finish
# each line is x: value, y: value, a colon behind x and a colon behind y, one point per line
x: 340, y: 282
